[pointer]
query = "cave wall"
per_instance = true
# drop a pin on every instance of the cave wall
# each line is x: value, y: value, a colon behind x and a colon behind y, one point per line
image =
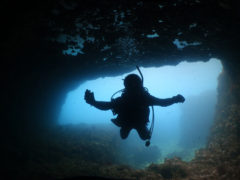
x: 225, y: 133
x: 220, y: 159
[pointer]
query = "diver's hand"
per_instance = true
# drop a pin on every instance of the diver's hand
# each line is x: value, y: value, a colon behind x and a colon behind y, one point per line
x: 89, y: 97
x: 179, y: 98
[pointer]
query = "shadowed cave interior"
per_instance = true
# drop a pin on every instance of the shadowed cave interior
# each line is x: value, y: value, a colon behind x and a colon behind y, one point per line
x: 51, y: 49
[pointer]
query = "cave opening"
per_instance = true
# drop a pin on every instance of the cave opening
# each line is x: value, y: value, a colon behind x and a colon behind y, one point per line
x: 180, y: 129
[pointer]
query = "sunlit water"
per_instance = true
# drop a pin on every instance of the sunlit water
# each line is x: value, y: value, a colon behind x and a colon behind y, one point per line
x: 179, y: 128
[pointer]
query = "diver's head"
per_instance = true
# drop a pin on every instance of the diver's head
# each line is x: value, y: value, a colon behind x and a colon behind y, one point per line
x: 133, y: 82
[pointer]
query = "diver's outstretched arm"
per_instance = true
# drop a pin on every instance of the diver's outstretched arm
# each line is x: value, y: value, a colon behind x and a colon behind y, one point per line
x: 89, y: 98
x: 166, y: 102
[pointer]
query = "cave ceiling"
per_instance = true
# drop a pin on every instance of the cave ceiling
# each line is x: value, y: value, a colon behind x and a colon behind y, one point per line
x: 107, y: 34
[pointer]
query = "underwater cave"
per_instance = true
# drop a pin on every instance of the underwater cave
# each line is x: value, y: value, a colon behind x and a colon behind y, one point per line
x: 179, y: 129
x: 54, y: 51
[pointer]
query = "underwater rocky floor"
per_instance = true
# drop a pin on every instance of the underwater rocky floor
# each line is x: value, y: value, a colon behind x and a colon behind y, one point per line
x: 91, y: 152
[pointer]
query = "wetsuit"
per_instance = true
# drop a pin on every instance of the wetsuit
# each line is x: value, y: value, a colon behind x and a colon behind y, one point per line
x: 133, y: 111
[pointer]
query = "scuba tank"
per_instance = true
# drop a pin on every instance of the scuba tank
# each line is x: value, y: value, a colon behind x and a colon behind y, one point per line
x: 152, y: 123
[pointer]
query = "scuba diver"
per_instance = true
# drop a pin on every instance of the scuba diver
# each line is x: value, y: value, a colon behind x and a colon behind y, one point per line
x: 132, y: 107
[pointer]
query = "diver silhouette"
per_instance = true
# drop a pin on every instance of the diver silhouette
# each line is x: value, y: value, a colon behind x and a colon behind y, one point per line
x: 132, y: 107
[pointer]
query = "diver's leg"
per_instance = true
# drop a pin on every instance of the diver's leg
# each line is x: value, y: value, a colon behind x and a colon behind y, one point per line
x: 143, y: 132
x: 124, y: 132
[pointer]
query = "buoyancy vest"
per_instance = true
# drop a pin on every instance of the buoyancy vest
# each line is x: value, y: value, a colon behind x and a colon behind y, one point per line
x: 132, y: 109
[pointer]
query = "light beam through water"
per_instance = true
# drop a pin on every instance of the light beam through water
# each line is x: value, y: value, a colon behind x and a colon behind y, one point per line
x: 193, y: 80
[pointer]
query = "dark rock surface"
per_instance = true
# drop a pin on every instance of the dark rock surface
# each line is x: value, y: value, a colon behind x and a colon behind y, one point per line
x: 117, y: 35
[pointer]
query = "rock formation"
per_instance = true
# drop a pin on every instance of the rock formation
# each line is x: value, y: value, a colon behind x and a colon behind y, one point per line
x: 50, y: 47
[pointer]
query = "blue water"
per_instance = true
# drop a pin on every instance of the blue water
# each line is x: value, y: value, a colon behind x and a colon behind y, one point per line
x: 180, y: 129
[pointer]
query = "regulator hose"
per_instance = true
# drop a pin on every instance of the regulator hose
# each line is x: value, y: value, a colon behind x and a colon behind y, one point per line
x: 152, y: 123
